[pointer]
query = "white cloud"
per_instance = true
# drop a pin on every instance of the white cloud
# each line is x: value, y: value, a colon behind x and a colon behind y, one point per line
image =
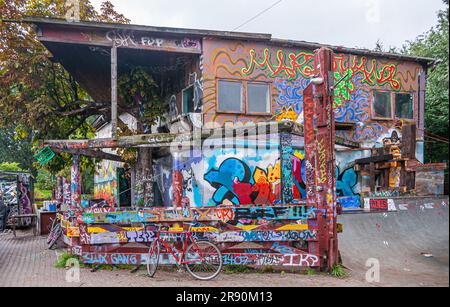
x: 352, y: 23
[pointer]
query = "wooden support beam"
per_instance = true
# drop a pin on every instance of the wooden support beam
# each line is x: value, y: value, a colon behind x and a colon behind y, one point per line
x: 168, y: 139
x: 372, y: 177
x: 114, y: 91
x: 409, y: 135
x: 151, y: 140
x: 375, y: 159
x: 344, y: 142
x: 97, y: 154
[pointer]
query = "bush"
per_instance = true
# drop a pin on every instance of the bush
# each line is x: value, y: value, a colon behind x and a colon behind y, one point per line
x: 10, y: 167
x: 338, y: 271
x: 62, y: 260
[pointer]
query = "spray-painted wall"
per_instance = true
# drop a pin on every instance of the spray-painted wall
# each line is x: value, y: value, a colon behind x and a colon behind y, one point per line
x: 106, y: 182
x: 192, y: 180
x: 17, y: 191
x: 231, y: 175
x: 288, y: 71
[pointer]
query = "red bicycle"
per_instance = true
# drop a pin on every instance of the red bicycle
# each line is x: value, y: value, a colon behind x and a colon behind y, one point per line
x: 202, y: 259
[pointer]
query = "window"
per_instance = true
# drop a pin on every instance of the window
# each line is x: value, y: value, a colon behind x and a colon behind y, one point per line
x: 404, y: 106
x: 382, y: 105
x: 243, y: 97
x: 230, y: 97
x: 258, y: 100
x: 391, y: 105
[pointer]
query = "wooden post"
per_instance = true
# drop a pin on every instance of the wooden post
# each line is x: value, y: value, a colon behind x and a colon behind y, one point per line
x: 75, y: 185
x: 372, y: 177
x: 58, y: 190
x: 320, y: 157
x: 114, y: 91
x: 67, y: 199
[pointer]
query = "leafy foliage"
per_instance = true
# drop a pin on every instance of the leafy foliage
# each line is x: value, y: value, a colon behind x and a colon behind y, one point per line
x: 62, y: 260
x: 10, y: 167
x: 138, y: 90
x: 37, y: 93
x: 16, y: 147
x: 435, y: 44
x: 338, y: 271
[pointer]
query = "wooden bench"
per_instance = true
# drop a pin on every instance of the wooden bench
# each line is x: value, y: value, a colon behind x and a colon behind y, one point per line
x: 33, y: 217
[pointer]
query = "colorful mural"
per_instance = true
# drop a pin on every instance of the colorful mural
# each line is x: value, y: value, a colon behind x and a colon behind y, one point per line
x: 233, y: 177
x: 227, y: 177
x: 17, y: 191
x: 289, y: 70
x: 236, y: 184
x: 348, y: 182
x: 106, y: 181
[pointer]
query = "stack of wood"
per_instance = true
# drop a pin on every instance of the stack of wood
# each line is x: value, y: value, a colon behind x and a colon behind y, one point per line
x: 389, y: 163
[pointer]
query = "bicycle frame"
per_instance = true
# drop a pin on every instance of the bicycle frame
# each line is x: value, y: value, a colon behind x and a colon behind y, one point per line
x: 188, y: 238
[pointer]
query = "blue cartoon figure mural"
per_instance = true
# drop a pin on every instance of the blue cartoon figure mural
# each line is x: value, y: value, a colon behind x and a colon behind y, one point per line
x: 345, y: 188
x: 224, y: 179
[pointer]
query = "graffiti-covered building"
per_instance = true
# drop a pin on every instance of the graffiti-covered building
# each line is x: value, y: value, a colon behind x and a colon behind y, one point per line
x: 241, y: 78
x: 257, y: 138
x: 213, y: 79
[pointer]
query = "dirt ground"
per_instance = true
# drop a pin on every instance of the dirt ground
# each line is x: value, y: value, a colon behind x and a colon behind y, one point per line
x: 25, y: 261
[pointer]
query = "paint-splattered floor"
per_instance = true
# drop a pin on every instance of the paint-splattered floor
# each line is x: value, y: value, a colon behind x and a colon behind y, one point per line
x: 25, y: 261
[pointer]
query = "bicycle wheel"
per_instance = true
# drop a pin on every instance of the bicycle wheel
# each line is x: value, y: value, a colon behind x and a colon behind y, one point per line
x: 203, y: 260
x: 52, y: 228
x: 55, y: 234
x: 153, y: 258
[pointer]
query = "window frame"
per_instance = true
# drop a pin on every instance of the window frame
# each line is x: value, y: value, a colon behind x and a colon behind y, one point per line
x: 412, y: 102
x: 392, y: 103
x: 244, y: 97
x: 269, y: 100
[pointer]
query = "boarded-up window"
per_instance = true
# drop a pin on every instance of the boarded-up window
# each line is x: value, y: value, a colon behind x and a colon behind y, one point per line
x: 404, y: 106
x: 230, y: 96
x: 382, y: 106
x: 258, y: 100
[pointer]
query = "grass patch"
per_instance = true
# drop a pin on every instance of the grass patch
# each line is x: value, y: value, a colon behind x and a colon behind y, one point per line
x: 268, y: 269
x: 110, y: 267
x: 63, y: 258
x: 237, y: 269
x: 311, y: 272
x: 338, y: 271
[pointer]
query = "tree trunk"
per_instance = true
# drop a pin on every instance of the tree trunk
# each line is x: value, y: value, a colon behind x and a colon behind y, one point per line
x: 144, y: 196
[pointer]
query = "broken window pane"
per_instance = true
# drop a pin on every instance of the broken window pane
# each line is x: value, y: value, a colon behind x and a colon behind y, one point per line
x: 404, y: 106
x: 258, y: 98
x: 230, y: 96
x: 382, y: 106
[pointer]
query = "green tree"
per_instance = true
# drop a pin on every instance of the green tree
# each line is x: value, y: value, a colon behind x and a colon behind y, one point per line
x: 15, y: 147
x: 37, y: 93
x: 435, y: 44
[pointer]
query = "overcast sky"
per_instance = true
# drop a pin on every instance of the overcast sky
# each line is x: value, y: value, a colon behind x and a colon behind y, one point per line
x: 350, y: 23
